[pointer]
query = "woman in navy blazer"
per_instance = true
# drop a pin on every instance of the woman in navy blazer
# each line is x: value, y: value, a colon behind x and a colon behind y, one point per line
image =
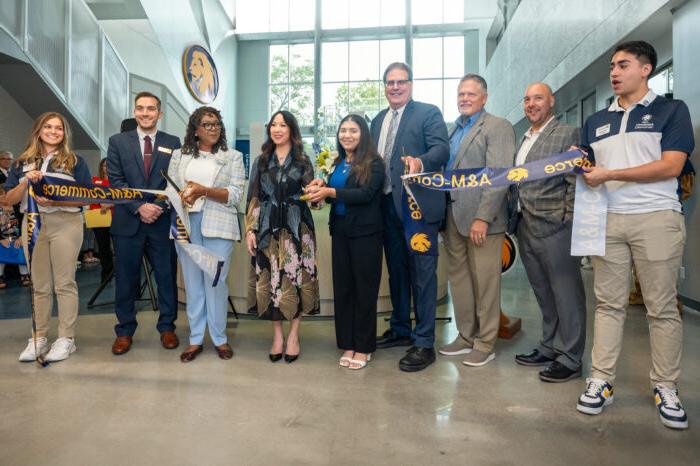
x: 354, y: 188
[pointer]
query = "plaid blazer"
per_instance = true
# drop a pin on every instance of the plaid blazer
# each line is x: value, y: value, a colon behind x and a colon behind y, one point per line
x: 218, y: 220
x: 547, y: 205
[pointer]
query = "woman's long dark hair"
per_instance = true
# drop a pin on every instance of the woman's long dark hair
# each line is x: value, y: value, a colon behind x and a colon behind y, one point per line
x: 268, y: 148
x: 365, y: 153
x: 190, y: 145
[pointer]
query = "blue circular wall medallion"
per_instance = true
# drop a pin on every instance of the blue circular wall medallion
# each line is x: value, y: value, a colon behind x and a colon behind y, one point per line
x: 200, y: 74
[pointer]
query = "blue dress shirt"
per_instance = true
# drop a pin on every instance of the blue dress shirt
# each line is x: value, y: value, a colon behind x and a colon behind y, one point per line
x: 461, y: 130
x: 337, y: 181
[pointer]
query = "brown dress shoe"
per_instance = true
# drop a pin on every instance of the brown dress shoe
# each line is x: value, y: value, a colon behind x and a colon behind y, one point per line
x: 169, y: 340
x: 121, y: 345
x: 190, y: 353
x: 224, y: 351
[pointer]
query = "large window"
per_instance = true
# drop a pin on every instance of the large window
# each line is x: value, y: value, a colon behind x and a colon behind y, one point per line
x: 344, y: 14
x: 438, y: 66
x: 662, y: 82
x: 328, y: 61
x: 274, y: 15
x: 292, y: 81
x: 352, y: 75
x: 437, y: 11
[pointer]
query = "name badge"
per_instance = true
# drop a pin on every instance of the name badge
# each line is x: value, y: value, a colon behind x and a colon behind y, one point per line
x: 28, y: 168
x: 601, y: 130
x: 165, y: 150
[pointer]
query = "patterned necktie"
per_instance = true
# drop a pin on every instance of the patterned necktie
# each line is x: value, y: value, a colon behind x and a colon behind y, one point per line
x: 147, y: 153
x: 389, y: 148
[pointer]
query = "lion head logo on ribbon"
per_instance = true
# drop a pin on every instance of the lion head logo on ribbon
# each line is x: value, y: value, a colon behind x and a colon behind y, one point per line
x: 420, y: 242
x: 517, y: 174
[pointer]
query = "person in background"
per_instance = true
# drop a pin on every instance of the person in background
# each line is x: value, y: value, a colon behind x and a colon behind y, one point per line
x: 212, y: 178
x: 280, y: 234
x: 102, y: 235
x: 10, y: 239
x: 354, y: 188
x: 53, y: 264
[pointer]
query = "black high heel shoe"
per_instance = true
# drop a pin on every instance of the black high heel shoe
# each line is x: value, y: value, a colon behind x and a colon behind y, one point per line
x: 275, y: 357
x: 290, y: 358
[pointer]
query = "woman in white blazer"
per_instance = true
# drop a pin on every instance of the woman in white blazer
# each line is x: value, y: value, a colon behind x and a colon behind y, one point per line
x: 211, y: 177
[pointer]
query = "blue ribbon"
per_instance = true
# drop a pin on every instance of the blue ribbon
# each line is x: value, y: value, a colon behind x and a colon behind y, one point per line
x: 421, y: 237
x: 60, y: 189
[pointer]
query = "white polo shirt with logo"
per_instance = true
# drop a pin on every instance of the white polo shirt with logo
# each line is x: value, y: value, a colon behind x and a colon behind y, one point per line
x: 620, y: 138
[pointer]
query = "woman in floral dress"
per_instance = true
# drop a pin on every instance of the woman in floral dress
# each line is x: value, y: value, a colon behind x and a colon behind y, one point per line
x: 280, y: 235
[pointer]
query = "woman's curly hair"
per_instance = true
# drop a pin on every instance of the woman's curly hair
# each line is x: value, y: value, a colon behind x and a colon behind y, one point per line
x: 190, y: 145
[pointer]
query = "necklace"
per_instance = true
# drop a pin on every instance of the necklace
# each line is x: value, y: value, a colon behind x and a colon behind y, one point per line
x: 346, y: 167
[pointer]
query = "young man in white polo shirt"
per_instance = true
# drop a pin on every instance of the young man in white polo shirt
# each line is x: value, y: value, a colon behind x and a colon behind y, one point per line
x: 640, y: 144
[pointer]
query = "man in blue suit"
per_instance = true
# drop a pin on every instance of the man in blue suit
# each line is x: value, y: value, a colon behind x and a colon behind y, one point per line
x: 135, y: 159
x: 411, y: 134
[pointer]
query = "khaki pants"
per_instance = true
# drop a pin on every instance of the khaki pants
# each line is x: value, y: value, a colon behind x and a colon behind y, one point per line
x: 654, y: 242
x: 475, y: 286
x: 53, y: 270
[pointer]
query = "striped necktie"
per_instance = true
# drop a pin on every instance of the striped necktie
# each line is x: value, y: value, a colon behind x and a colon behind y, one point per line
x: 389, y: 148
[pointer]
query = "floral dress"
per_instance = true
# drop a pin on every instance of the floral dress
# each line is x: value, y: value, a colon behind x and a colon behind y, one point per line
x: 286, y: 282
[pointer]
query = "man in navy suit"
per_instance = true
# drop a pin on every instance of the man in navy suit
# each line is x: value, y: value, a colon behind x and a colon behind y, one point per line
x: 135, y: 159
x: 411, y: 134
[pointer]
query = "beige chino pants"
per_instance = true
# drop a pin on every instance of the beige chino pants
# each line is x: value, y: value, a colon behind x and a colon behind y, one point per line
x: 475, y: 286
x: 53, y: 270
x: 654, y: 242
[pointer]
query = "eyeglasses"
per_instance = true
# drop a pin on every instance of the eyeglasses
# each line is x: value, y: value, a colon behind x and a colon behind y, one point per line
x: 211, y: 126
x: 399, y: 83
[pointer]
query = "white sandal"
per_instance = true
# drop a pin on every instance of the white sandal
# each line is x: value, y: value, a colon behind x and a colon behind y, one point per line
x: 345, y: 361
x: 359, y: 364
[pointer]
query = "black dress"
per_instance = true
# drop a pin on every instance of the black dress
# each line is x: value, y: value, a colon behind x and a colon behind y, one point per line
x: 286, y: 282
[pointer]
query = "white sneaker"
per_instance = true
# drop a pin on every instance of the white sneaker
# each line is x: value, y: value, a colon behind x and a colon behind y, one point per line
x: 670, y: 408
x: 598, y: 395
x: 61, y: 349
x: 28, y: 355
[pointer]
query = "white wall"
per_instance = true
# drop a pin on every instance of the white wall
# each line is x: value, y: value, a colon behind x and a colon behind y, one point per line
x: 555, y: 44
x: 138, y: 46
x: 15, y: 124
x: 686, y: 38
x: 152, y: 48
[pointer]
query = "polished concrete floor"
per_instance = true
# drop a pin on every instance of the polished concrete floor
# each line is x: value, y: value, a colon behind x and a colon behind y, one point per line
x: 147, y: 408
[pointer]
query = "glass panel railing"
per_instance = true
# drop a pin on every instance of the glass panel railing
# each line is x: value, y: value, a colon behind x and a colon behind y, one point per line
x: 84, y: 48
x: 11, y: 17
x: 47, y: 38
x: 116, y: 91
x: 64, y: 43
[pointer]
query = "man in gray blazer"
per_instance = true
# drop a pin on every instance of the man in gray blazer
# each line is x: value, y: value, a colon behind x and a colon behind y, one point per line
x: 545, y: 212
x: 476, y: 222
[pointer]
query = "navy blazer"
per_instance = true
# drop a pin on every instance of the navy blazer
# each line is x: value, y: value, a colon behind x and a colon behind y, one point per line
x: 125, y: 170
x: 422, y: 133
x: 363, y: 208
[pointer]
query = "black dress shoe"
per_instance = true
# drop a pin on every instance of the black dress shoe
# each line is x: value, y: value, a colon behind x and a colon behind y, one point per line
x: 533, y: 358
x: 558, y: 372
x: 275, y: 357
x: 389, y: 339
x: 417, y: 359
